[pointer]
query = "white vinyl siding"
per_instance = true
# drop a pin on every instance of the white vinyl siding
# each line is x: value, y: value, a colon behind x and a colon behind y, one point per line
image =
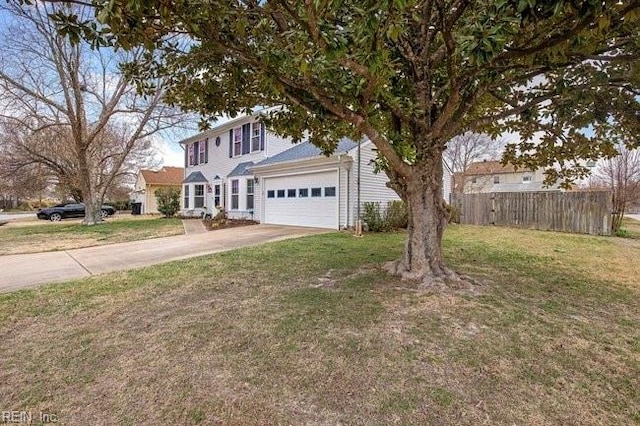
x: 219, y: 164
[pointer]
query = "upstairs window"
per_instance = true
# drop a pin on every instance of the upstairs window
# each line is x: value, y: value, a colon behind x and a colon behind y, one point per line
x: 526, y: 179
x: 496, y: 179
x: 255, y: 137
x: 192, y: 158
x: 237, y: 141
x: 203, y: 152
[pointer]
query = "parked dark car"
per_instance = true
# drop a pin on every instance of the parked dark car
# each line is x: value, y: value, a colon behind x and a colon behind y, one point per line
x: 67, y: 210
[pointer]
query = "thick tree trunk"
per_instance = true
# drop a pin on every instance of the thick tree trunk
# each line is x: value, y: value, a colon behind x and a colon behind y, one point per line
x: 422, y: 258
x: 91, y: 196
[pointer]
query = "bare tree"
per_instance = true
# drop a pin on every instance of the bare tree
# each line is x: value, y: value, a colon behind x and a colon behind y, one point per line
x: 70, y: 108
x: 470, y: 147
x: 621, y: 174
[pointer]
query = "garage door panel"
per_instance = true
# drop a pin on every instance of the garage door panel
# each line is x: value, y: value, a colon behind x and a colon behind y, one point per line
x: 302, y: 211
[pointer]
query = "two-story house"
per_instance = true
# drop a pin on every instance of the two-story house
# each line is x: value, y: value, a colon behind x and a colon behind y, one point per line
x: 245, y: 169
x: 492, y: 176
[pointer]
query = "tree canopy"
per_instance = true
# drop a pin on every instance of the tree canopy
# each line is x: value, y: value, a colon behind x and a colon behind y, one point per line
x: 408, y: 74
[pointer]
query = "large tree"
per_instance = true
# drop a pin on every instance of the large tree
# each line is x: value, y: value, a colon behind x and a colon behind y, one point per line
x: 68, y: 107
x: 408, y: 74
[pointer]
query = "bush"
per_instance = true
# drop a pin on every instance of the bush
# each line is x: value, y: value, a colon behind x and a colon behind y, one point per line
x: 168, y: 199
x: 453, y: 214
x: 372, y: 217
x: 119, y: 204
x: 622, y: 233
x: 394, y: 216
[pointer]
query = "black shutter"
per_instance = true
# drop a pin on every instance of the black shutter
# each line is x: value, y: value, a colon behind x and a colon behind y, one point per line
x: 206, y: 150
x: 186, y: 156
x: 262, y: 136
x: 230, y: 143
x: 246, y: 138
x: 196, y: 153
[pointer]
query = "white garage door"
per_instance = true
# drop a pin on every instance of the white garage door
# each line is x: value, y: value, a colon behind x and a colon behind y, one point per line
x: 302, y: 200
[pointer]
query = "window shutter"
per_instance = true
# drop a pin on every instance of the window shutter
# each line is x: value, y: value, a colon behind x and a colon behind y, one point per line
x: 206, y: 150
x: 246, y: 138
x: 186, y: 156
x: 230, y: 143
x: 262, y: 136
x: 196, y: 152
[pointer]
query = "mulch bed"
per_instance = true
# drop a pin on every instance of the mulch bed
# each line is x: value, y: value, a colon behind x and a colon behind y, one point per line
x: 213, y: 225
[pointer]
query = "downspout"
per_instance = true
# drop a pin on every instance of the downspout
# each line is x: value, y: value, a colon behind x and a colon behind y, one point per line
x: 348, y: 198
x: 358, y: 220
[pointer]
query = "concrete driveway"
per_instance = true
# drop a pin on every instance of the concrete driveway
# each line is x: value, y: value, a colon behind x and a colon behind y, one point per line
x: 633, y: 216
x: 27, y: 270
x: 16, y: 216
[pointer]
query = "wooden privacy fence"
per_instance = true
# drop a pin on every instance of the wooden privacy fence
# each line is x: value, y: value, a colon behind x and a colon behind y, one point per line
x: 577, y: 212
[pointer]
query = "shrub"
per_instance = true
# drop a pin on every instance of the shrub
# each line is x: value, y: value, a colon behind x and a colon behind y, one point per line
x: 394, y: 216
x: 168, y: 199
x: 372, y: 217
x: 119, y: 204
x: 453, y: 214
x: 622, y: 233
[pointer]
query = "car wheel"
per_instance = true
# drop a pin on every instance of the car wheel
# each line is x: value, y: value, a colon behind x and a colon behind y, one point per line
x: 104, y: 214
x: 55, y: 217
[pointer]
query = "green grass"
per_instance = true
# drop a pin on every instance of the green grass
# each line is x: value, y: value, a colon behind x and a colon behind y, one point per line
x: 312, y: 331
x: 631, y: 228
x: 44, y: 236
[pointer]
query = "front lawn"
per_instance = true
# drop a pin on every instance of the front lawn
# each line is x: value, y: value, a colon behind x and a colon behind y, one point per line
x: 311, y: 331
x: 39, y: 236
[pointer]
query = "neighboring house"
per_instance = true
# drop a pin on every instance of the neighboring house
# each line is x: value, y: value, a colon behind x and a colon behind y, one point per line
x: 252, y: 173
x: 148, y: 181
x: 492, y: 176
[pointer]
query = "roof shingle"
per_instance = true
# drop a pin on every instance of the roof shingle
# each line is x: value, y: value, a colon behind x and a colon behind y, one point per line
x: 164, y: 176
x: 306, y: 150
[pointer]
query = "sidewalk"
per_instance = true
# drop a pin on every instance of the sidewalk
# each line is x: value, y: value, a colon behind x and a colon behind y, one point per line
x: 27, y: 270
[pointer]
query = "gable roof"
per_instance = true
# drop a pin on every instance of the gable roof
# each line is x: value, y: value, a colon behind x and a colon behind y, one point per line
x: 307, y: 150
x: 164, y: 176
x: 241, y: 169
x: 492, y: 168
x: 195, y: 177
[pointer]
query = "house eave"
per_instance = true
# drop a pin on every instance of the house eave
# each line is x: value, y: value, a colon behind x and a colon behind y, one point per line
x: 227, y: 125
x: 302, y: 163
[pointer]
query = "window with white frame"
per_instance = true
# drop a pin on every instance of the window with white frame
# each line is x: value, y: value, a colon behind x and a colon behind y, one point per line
x: 216, y: 195
x: 249, y: 194
x: 198, y: 196
x: 235, y: 194
x: 186, y: 196
x: 237, y: 141
x: 192, y: 157
x: 203, y: 152
x: 255, y: 137
x: 526, y: 179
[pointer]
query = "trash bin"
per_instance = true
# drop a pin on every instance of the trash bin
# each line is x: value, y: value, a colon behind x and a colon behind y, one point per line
x: 136, y: 208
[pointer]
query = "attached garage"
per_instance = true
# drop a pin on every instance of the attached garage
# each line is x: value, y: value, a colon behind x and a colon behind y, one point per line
x: 302, y: 199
